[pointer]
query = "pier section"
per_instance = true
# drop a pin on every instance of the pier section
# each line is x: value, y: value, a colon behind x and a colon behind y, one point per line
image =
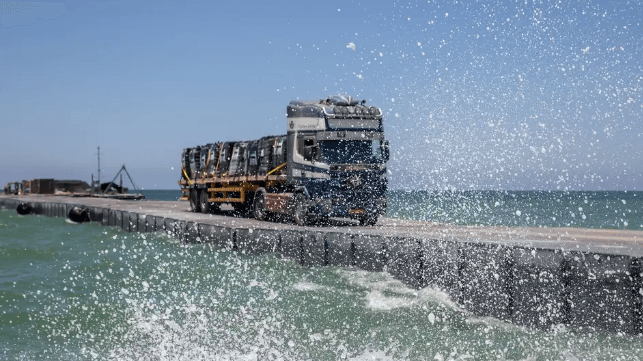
x: 589, y: 279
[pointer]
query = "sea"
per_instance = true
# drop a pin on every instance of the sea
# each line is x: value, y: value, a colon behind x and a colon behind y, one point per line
x: 86, y: 292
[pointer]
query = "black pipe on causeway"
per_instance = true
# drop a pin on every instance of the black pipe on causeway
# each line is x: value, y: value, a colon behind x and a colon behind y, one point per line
x: 23, y: 208
x: 78, y: 214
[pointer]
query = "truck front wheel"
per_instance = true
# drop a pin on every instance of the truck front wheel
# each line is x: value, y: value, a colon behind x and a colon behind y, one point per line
x: 300, y: 211
x: 369, y: 220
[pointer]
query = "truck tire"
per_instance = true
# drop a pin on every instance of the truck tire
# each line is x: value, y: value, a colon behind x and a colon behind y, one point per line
x: 259, y: 205
x: 204, y: 203
x: 300, y: 210
x: 368, y: 220
x: 194, y: 200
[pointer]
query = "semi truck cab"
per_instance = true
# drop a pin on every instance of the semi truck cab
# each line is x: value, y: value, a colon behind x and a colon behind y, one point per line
x: 337, y: 156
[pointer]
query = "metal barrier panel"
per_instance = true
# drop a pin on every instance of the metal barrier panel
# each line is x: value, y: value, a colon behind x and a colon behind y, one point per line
x: 192, y: 232
x: 222, y: 237
x: 538, y: 297
x: 290, y: 246
x: 439, y: 264
x: 370, y: 252
x: 600, y: 291
x: 340, y: 249
x: 404, y: 260
x: 485, y: 279
x: 313, y: 252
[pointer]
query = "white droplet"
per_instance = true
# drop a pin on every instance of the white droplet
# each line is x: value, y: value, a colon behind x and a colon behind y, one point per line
x: 351, y: 46
x: 518, y: 213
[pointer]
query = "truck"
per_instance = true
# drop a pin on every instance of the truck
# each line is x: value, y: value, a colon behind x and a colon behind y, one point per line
x: 330, y: 163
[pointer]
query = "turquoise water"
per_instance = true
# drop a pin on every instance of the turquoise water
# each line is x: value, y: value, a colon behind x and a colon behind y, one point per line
x: 585, y: 209
x: 86, y: 292
x: 162, y: 195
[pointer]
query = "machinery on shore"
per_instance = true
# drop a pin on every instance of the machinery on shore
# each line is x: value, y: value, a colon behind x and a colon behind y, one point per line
x: 331, y: 163
x: 76, y: 188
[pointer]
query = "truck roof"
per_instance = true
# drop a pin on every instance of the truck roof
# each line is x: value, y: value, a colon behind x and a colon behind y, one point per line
x: 337, y: 106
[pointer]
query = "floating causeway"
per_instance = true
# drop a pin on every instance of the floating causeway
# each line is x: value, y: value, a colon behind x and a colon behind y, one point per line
x: 538, y: 277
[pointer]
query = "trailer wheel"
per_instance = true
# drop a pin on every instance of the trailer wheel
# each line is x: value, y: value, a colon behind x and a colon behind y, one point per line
x: 300, y: 211
x: 259, y: 205
x: 204, y: 203
x: 194, y: 200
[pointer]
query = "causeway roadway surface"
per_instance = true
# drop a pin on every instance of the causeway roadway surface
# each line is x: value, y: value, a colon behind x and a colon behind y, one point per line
x: 602, y: 241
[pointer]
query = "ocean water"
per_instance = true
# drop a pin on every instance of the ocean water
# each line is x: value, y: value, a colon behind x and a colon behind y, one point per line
x: 585, y: 209
x: 86, y: 292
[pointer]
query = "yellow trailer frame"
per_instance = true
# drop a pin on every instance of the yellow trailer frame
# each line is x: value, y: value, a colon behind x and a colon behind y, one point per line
x: 242, y: 185
x: 242, y: 193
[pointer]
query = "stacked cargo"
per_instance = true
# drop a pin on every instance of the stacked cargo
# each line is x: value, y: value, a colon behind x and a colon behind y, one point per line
x: 228, y: 171
x: 42, y: 186
x: 235, y: 159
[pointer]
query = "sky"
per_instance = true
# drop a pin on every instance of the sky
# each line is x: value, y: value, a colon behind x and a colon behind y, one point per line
x: 502, y: 95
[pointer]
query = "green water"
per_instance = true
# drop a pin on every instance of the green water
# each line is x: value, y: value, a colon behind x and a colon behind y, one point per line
x: 585, y: 209
x: 70, y: 291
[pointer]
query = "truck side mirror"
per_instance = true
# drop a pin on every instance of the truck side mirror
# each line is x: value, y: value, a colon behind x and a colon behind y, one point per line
x: 385, y: 151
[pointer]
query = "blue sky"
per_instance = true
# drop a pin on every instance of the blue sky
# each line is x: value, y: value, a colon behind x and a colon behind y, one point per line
x: 476, y: 95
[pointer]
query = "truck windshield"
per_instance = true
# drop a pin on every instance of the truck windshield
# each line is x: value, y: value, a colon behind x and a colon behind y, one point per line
x: 351, y: 151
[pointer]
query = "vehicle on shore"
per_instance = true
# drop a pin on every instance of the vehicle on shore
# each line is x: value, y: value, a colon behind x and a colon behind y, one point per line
x: 331, y: 163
